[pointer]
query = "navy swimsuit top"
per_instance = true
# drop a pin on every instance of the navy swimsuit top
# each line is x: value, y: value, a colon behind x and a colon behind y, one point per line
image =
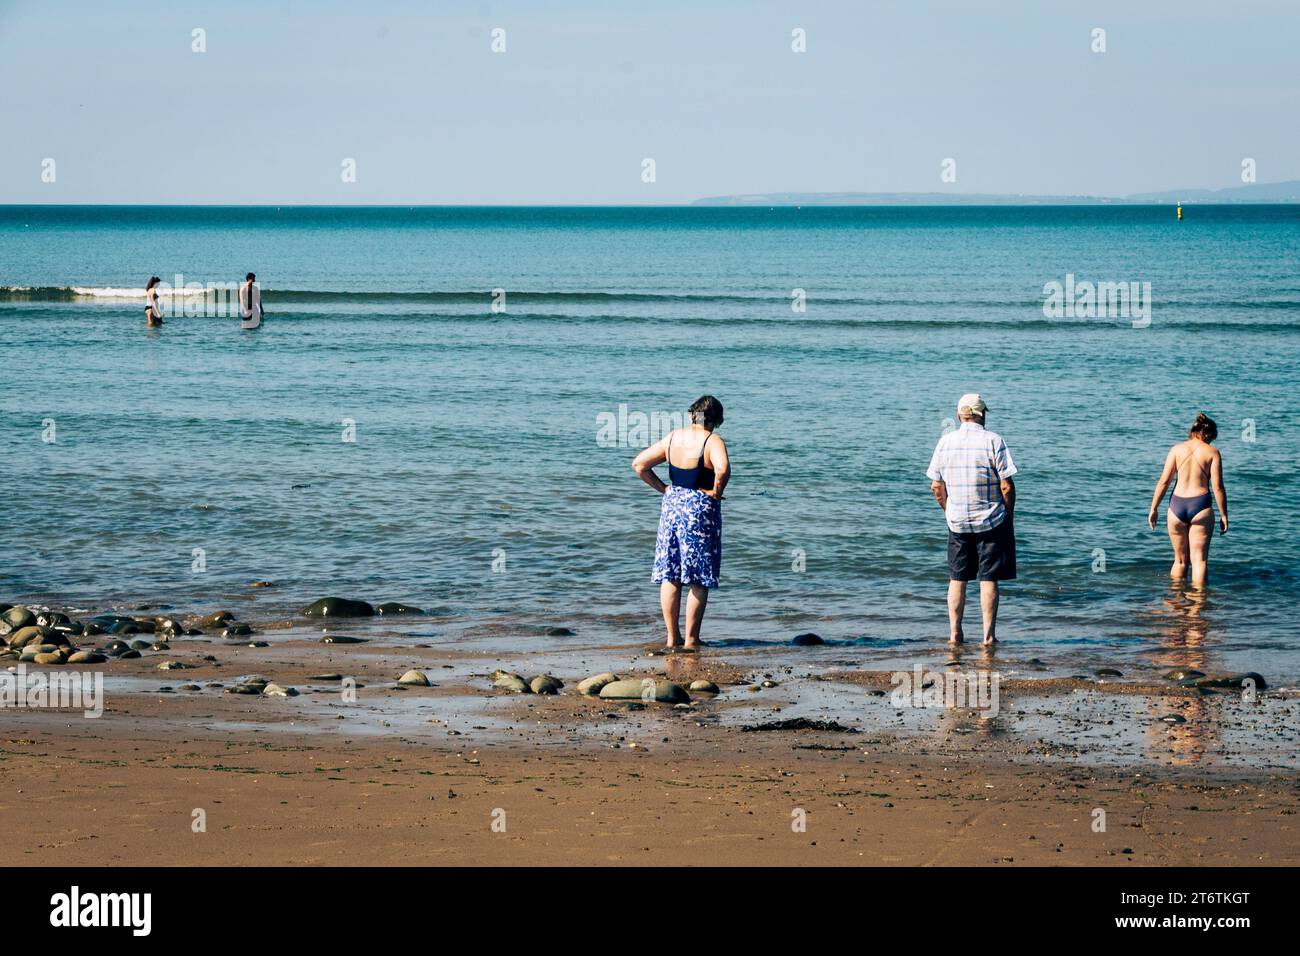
x: 697, y: 478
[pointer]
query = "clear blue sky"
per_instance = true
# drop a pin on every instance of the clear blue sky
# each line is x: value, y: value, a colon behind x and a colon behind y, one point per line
x: 710, y: 89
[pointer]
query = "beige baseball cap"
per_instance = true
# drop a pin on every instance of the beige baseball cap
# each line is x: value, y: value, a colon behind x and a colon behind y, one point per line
x: 973, y: 401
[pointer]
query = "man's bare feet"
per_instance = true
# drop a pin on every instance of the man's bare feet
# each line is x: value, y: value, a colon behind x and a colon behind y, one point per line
x: 990, y: 641
x: 957, y: 638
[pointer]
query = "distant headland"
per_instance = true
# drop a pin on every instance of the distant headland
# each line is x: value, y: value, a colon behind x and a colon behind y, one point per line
x: 1283, y: 192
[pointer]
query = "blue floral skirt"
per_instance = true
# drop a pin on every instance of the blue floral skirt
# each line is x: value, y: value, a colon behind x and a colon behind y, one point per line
x: 688, y: 549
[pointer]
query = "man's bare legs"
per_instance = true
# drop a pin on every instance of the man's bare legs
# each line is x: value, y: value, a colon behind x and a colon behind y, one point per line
x: 695, y: 604
x: 1179, y: 539
x: 1199, y: 536
x: 956, y: 607
x: 670, y: 600
x: 989, y: 606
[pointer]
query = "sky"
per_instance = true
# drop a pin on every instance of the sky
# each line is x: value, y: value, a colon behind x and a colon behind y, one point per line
x: 586, y: 90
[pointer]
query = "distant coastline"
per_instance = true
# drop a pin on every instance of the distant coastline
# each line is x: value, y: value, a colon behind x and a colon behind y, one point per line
x: 1283, y: 192
x: 1280, y: 193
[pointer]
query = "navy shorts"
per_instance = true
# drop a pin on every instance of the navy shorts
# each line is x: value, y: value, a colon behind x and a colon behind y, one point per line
x: 988, y: 555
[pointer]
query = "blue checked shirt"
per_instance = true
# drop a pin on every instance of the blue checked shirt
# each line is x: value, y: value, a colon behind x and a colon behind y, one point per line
x: 971, y: 462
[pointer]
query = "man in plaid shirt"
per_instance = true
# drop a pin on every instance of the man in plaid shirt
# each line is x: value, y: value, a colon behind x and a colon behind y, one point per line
x: 970, y: 477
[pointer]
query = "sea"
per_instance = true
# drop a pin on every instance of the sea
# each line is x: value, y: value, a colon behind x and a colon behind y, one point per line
x: 443, y: 403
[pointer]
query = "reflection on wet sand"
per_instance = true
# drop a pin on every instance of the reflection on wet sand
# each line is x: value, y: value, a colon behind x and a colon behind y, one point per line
x: 1183, y: 629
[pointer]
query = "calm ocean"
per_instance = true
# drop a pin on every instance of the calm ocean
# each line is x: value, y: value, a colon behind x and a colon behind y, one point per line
x: 478, y: 434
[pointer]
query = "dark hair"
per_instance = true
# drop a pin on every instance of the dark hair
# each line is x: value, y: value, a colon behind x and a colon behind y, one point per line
x: 250, y: 277
x: 153, y: 281
x: 706, y: 411
x: 1205, y: 427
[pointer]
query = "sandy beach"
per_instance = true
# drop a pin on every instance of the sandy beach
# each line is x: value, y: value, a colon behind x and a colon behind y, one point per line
x: 463, y: 773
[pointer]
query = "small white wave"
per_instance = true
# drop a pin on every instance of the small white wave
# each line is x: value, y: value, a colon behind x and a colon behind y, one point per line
x: 111, y: 292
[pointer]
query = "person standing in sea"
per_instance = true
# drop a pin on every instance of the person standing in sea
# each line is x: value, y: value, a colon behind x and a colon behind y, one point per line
x: 1198, y: 466
x: 153, y: 310
x: 250, y: 303
x: 970, y: 477
x: 688, y: 548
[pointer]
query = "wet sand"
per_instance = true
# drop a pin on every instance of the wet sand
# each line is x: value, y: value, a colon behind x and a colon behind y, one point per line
x: 421, y: 775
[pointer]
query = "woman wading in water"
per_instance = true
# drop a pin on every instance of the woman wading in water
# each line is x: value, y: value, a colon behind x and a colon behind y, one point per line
x: 153, y: 312
x: 688, y: 550
x: 1190, y: 519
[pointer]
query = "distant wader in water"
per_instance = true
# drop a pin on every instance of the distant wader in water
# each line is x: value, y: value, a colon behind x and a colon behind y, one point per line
x: 250, y: 303
x: 153, y: 310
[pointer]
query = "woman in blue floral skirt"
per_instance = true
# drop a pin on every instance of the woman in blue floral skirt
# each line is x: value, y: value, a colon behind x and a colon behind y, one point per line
x: 689, y: 547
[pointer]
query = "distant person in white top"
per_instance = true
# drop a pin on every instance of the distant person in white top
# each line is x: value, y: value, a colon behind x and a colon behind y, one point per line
x: 250, y: 303
x: 153, y: 309
x: 970, y: 477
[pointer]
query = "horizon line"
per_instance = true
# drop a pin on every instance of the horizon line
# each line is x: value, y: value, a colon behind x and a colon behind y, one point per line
x: 690, y: 204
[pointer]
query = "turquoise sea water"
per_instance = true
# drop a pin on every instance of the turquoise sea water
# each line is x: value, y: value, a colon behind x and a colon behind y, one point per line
x: 478, y: 432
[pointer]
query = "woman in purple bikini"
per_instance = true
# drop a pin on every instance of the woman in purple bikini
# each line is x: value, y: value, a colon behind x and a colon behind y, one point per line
x: 1199, y: 470
x: 688, y: 549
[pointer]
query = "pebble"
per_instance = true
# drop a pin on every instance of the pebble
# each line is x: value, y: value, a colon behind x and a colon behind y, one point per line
x: 18, y: 617
x: 87, y: 657
x: 704, y: 687
x: 214, y: 620
x: 21, y: 637
x: 237, y: 630
x: 249, y: 685
x: 275, y: 690
x: 1109, y: 672
x: 262, y: 584
x: 338, y: 607
x: 560, y: 632
x: 340, y: 639
x: 395, y: 607
x: 325, y: 677
x: 1183, y: 674
x: 806, y: 640
x: 662, y: 691
x: 590, y: 687
x: 173, y: 666
x: 49, y: 658
x: 1236, y: 680
x: 545, y: 684
x: 416, y: 678
x: 510, y: 682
